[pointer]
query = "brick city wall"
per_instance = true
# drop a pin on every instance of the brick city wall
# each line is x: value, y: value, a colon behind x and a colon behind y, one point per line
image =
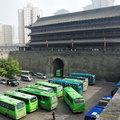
x: 105, y: 65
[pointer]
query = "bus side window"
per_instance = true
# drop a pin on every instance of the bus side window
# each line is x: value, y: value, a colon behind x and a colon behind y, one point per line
x: 54, y: 89
x: 11, y: 107
x: 89, y: 78
x: 66, y: 95
x: 72, y: 86
x: 69, y: 98
x: 76, y: 86
x: 6, y: 105
x: 39, y: 97
x: 1, y: 104
x: 45, y: 98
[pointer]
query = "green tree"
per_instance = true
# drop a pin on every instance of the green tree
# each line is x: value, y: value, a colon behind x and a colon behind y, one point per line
x: 9, y: 67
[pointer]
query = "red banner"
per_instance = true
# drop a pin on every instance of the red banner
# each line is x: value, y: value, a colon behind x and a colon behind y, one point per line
x: 104, y: 44
x: 72, y: 43
x: 46, y: 43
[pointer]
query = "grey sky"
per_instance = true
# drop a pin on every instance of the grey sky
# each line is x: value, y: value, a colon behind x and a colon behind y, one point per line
x: 9, y: 8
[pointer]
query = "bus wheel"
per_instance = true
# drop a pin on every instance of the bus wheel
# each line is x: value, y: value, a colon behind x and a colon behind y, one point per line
x: 7, y: 115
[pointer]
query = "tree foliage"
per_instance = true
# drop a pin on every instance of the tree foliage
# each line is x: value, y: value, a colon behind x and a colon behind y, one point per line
x: 9, y: 67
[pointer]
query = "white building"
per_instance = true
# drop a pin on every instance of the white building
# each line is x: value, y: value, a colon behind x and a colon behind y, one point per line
x: 62, y: 11
x: 1, y: 34
x: 26, y: 17
x: 99, y: 4
x: 15, y: 39
x: 7, y: 35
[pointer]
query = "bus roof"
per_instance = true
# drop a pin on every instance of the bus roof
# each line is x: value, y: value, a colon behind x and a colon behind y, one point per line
x: 74, y: 80
x: 94, y: 112
x: 40, y: 87
x: 72, y: 92
x: 36, y: 92
x: 9, y: 99
x: 16, y: 93
x: 108, y: 97
x: 45, y: 88
x: 81, y: 74
x: 76, y: 77
x: 65, y: 81
x: 47, y: 83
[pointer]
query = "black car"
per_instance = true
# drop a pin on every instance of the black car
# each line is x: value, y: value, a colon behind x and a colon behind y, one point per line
x: 12, y: 83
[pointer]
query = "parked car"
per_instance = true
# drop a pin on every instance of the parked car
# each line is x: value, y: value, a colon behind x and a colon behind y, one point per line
x: 3, y: 81
x: 12, y: 83
x: 26, y: 78
x: 41, y: 75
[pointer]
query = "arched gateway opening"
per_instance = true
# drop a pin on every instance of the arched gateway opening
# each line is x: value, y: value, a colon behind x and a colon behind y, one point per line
x: 58, y: 68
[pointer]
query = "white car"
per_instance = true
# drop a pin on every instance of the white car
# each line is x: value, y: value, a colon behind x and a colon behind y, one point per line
x: 26, y: 78
x: 3, y: 81
x: 41, y: 75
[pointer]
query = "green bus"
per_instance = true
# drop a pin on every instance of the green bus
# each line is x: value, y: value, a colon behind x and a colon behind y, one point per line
x: 59, y: 72
x: 91, y: 77
x: 74, y: 100
x: 85, y: 84
x: 43, y: 88
x: 78, y: 86
x: 84, y: 79
x: 11, y: 107
x: 31, y: 101
x: 46, y: 100
x: 58, y: 89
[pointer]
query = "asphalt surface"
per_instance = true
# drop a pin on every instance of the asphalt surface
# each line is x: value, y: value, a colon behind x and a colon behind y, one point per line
x: 93, y: 94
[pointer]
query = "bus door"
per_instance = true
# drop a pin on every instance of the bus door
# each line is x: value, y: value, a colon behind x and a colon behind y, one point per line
x: 44, y: 102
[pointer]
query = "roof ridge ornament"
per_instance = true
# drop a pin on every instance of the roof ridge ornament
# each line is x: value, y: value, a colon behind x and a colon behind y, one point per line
x: 38, y: 16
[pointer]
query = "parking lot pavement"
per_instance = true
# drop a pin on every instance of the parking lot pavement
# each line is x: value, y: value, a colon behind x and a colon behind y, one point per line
x: 93, y: 94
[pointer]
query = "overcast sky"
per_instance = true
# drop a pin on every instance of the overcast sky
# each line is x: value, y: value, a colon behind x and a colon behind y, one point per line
x: 9, y: 8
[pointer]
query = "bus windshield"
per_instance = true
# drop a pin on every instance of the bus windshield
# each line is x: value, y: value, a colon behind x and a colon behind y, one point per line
x: 79, y: 100
x: 53, y: 97
x: 50, y: 90
x: 46, y: 89
x: 20, y: 105
x: 102, y: 103
x: 33, y: 99
x: 80, y: 85
x: 59, y: 87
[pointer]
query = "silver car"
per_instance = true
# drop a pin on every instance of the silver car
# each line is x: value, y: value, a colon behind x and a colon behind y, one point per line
x: 41, y: 75
x: 3, y: 81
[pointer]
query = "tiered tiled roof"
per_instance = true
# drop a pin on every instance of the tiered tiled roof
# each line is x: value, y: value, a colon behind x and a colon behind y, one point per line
x: 78, y: 16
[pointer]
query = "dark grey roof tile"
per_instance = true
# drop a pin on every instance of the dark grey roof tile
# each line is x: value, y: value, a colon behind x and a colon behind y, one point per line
x: 78, y: 16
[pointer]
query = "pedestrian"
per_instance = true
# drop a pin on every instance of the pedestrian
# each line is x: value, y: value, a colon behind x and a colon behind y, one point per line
x: 53, y: 115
